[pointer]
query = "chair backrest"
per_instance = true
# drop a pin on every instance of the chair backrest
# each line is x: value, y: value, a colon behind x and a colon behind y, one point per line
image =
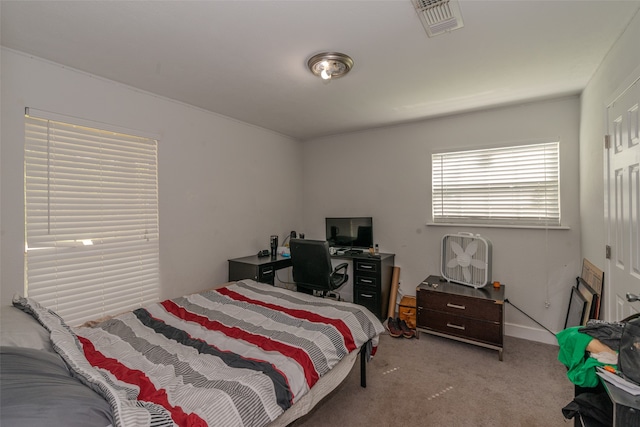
x: 311, y: 263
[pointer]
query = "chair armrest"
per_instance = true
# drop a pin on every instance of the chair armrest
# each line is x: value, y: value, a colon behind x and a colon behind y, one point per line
x: 338, y: 267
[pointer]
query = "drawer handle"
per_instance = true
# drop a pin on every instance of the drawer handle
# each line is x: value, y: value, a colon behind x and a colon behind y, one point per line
x: 366, y: 295
x: 267, y: 270
x: 366, y: 267
x: 451, y: 325
x: 366, y: 280
x: 459, y: 307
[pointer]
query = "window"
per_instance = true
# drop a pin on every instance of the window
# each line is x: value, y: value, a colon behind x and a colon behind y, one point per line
x: 91, y: 218
x: 516, y: 185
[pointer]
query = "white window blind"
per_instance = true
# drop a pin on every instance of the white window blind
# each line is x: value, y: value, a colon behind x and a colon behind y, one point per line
x: 516, y: 185
x: 91, y: 219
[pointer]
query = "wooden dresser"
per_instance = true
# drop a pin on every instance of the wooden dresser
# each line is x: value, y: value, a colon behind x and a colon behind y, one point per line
x: 474, y: 316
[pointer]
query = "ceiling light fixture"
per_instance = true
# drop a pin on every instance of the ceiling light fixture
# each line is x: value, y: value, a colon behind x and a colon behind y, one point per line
x: 330, y: 65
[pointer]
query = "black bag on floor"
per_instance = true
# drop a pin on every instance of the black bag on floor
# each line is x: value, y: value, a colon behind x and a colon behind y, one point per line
x: 593, y: 409
x: 629, y: 356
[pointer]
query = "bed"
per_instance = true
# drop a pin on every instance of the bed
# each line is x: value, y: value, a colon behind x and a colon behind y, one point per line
x: 245, y: 354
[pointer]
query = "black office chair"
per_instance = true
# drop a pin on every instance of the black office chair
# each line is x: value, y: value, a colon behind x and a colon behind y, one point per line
x: 312, y: 270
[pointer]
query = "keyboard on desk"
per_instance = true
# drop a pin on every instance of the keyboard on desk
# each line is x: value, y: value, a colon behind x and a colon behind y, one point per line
x: 353, y: 252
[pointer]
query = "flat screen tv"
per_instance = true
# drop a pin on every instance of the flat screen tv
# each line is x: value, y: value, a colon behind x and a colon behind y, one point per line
x: 351, y: 232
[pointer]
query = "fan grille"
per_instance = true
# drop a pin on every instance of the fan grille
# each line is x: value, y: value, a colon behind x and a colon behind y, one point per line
x: 466, y: 259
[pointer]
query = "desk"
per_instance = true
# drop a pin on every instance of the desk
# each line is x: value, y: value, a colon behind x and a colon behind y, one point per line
x: 371, y: 276
x: 260, y: 269
x: 626, y: 407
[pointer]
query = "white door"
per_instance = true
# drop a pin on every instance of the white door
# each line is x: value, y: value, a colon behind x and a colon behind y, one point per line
x: 623, y: 202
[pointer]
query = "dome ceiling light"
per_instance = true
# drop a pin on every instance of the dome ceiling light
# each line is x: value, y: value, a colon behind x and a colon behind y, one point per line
x: 330, y: 65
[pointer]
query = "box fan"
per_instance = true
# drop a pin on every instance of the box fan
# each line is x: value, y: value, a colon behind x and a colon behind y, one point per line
x: 466, y: 259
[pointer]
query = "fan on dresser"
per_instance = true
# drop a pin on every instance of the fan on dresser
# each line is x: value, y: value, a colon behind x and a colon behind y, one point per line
x: 466, y: 259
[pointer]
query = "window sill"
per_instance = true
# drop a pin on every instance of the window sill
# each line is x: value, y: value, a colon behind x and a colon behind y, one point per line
x: 523, y: 226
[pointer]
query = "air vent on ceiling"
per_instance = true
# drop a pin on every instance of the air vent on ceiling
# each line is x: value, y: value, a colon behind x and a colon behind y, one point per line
x: 439, y: 16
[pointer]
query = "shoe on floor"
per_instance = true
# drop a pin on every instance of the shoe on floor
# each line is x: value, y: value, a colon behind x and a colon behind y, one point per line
x: 394, y: 328
x: 407, y: 332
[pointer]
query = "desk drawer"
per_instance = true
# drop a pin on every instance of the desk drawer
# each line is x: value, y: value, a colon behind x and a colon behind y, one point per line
x: 267, y: 274
x: 365, y: 266
x: 459, y: 305
x: 368, y: 299
x: 366, y: 281
x: 459, y: 326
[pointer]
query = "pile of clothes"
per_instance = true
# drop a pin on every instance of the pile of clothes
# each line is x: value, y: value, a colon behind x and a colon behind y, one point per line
x: 582, y: 348
x: 598, y: 344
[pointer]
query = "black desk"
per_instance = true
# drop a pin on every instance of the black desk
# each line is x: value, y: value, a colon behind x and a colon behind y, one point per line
x: 371, y: 276
x: 260, y: 269
x: 626, y: 407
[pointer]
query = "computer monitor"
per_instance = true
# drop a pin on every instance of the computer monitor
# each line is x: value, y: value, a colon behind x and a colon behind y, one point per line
x: 350, y: 232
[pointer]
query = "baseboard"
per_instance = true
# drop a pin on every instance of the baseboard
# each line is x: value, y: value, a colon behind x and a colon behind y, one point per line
x: 529, y: 333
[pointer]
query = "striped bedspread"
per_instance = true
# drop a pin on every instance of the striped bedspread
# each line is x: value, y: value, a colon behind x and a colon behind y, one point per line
x: 236, y: 356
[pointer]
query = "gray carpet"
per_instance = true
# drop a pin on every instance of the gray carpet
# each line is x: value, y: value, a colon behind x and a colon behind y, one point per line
x: 435, y: 381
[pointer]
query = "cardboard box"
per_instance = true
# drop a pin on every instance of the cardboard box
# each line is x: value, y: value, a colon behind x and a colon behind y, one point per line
x: 407, y: 311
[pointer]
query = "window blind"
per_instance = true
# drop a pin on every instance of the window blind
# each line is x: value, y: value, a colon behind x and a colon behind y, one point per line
x: 91, y: 219
x: 515, y: 185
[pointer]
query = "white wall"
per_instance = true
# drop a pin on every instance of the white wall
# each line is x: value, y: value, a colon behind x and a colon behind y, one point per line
x: 386, y: 173
x: 224, y: 186
x: 621, y: 63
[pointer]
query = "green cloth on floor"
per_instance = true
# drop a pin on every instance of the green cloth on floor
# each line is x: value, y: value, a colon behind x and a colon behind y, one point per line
x: 573, y: 345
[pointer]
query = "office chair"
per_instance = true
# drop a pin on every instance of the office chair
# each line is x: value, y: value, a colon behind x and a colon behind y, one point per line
x: 312, y: 270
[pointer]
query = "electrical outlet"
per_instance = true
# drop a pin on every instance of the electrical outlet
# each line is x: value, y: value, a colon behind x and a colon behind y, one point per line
x: 547, y: 304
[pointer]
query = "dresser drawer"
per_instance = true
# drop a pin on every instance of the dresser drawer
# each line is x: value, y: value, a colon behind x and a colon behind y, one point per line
x: 463, y: 327
x: 459, y: 305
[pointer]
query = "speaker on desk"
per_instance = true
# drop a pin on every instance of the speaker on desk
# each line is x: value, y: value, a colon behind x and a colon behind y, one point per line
x: 274, y: 245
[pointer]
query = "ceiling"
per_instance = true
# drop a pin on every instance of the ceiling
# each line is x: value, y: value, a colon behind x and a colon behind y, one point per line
x: 247, y: 59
